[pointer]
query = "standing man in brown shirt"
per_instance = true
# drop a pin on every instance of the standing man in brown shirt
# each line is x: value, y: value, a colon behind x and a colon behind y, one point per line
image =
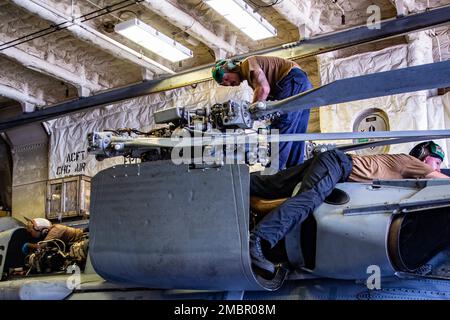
x: 271, y: 78
x: 319, y: 176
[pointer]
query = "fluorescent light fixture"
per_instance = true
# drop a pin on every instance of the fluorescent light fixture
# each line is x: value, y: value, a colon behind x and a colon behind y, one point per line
x: 153, y: 40
x: 242, y: 16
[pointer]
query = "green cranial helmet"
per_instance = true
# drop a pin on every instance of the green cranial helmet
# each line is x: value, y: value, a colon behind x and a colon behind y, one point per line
x: 218, y: 70
x: 436, y: 150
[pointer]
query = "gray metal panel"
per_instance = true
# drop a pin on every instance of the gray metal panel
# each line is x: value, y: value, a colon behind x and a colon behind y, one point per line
x: 9, y: 223
x: 412, y: 183
x: 432, y: 194
x: 293, y: 247
x: 5, y: 237
x: 160, y: 225
x: 347, y: 245
x: 167, y: 115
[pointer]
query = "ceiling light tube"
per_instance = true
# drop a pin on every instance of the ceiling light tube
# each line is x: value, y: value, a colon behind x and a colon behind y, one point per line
x: 153, y: 40
x: 244, y: 18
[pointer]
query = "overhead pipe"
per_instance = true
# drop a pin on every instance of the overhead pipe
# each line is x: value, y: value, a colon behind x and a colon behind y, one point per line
x: 31, y: 62
x: 188, y: 24
x: 19, y: 96
x: 293, y: 14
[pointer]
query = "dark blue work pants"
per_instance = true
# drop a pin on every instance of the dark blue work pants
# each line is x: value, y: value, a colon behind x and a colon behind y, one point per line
x: 291, y: 153
x: 318, y: 175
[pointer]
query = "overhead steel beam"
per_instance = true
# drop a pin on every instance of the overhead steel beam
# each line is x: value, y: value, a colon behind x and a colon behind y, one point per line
x: 296, y: 50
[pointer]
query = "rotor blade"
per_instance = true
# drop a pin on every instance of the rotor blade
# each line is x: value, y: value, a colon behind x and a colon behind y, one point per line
x: 378, y: 143
x: 151, y: 142
x: 423, y: 77
x: 426, y: 134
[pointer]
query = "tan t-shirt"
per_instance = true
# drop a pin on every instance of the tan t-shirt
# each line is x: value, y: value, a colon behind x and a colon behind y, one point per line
x: 274, y: 68
x: 387, y: 166
x: 66, y: 234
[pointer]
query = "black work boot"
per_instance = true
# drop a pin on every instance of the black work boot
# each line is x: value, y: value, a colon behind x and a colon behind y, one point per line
x: 257, y: 254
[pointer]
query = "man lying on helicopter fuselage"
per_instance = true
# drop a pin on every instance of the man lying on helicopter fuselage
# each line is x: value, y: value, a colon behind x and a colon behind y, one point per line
x: 318, y: 177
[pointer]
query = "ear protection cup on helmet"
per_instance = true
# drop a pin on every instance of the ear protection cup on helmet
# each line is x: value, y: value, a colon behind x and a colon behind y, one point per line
x: 44, y: 232
x: 420, y: 151
x: 232, y: 64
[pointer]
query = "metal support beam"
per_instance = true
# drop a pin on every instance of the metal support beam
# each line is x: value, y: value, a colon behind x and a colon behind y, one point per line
x: 296, y: 50
x: 20, y: 96
x: 188, y: 23
x: 45, y: 67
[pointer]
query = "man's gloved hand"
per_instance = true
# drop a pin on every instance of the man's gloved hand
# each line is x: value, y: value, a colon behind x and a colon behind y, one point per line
x: 26, y: 248
x: 257, y: 106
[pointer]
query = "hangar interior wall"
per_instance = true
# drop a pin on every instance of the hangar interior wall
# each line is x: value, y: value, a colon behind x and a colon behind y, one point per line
x: 30, y: 170
x: 439, y: 118
x: 29, y: 181
x: 5, y: 176
x: 411, y: 111
x: 310, y: 66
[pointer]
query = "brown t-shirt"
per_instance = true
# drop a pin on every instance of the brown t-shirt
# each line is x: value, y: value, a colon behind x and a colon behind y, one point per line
x: 64, y: 233
x: 387, y: 166
x: 274, y: 69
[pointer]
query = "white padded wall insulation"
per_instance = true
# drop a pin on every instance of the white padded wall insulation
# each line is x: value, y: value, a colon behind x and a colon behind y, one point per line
x: 414, y: 6
x: 405, y: 111
x: 441, y: 43
x: 439, y: 118
x: 68, y: 135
